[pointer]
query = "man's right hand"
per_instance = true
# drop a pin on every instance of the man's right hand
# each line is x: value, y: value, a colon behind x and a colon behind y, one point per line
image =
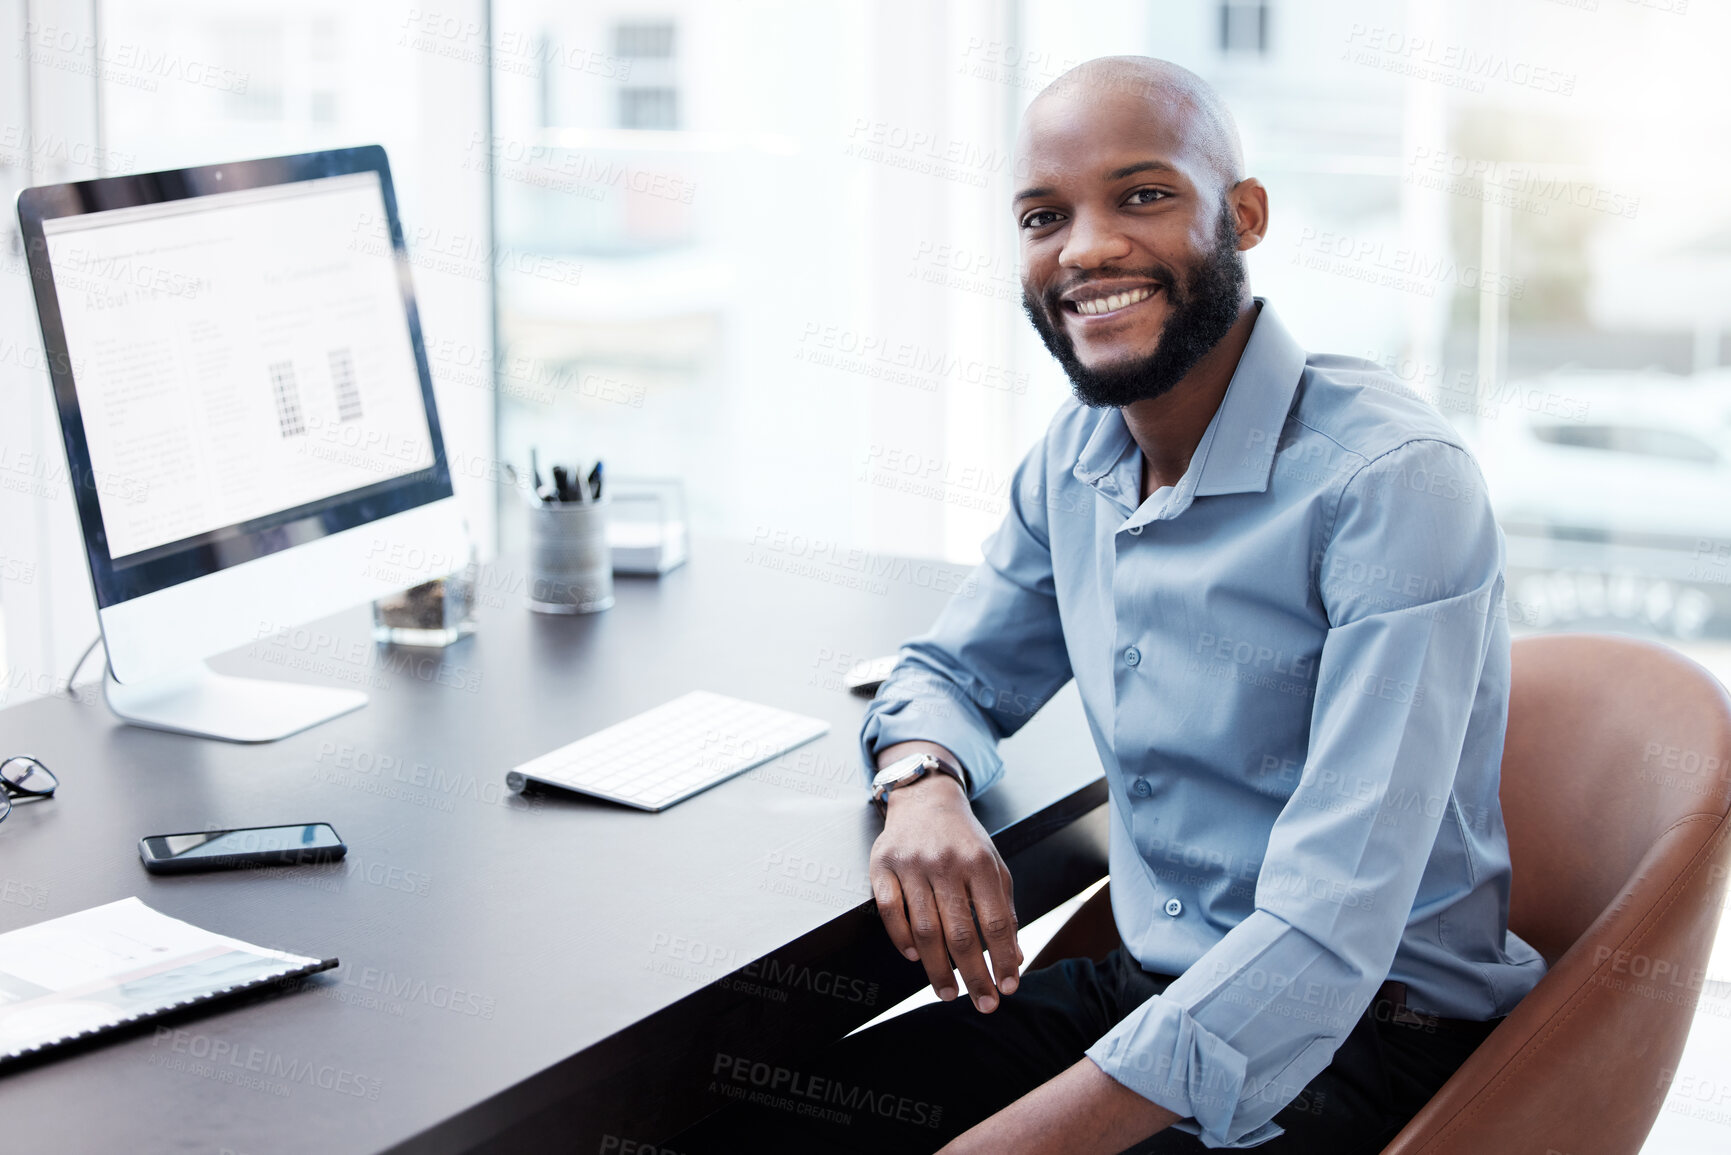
x: 933, y: 870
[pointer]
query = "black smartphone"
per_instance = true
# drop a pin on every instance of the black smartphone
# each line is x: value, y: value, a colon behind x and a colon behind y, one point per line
x: 233, y: 849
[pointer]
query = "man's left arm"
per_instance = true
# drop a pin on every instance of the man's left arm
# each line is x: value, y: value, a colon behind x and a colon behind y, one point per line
x: 1411, y: 581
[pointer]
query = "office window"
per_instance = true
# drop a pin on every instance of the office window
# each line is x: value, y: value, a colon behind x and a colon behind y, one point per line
x: 258, y: 94
x: 718, y: 227
x: 1244, y: 27
x: 648, y: 108
x: 712, y: 300
x: 644, y: 41
x: 324, y: 65
x: 648, y: 95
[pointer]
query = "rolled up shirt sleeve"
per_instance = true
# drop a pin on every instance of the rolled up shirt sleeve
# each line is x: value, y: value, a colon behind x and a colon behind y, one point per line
x: 1411, y: 580
x: 995, y: 654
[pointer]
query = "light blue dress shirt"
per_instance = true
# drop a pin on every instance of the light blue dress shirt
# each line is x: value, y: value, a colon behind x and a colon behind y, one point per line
x: 1295, y: 664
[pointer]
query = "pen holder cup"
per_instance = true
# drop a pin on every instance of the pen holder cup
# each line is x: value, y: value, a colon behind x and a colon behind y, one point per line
x: 570, y: 564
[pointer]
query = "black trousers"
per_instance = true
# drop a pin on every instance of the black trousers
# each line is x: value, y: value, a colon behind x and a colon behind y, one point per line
x: 917, y: 1081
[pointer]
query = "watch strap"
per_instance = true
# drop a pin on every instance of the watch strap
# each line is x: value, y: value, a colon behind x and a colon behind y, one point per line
x: 953, y: 770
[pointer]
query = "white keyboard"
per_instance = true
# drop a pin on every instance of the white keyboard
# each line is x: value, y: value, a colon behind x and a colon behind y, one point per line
x: 667, y: 754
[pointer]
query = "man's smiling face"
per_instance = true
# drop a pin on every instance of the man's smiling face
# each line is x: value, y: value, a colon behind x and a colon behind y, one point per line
x: 1131, y: 269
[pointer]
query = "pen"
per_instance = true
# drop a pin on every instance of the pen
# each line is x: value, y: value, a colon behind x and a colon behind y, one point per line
x: 594, y: 482
x: 561, y: 484
x: 535, y: 472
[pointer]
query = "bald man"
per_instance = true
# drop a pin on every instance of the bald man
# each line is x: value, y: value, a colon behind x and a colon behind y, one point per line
x: 1277, y: 584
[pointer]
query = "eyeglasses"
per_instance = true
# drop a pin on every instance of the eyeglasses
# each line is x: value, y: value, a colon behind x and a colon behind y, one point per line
x: 22, y: 776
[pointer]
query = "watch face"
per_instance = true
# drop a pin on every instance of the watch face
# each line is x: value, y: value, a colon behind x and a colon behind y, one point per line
x: 900, y: 769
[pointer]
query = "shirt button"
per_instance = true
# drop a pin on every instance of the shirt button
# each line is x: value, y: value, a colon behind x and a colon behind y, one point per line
x: 1174, y: 907
x: 1132, y: 656
x: 1141, y: 788
x: 1136, y: 531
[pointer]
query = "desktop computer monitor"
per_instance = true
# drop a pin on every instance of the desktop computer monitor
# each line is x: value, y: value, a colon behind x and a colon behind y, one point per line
x: 248, y: 419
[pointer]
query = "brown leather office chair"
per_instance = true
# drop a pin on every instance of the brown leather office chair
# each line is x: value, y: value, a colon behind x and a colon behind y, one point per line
x: 1616, y: 787
x: 1616, y: 791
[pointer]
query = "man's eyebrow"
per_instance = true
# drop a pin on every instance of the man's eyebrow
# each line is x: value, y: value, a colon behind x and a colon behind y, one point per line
x: 1115, y: 174
x: 1141, y: 166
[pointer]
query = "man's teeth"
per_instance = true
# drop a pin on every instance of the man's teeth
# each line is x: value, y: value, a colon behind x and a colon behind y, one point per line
x: 1115, y: 301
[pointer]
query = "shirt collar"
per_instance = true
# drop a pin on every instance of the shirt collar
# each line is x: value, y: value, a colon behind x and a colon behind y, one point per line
x: 1236, y: 453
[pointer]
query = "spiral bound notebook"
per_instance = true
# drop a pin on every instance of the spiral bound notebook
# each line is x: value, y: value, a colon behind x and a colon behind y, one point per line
x: 72, y: 978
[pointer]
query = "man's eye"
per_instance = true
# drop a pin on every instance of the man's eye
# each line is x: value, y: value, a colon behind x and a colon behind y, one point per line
x: 1039, y: 219
x: 1147, y: 196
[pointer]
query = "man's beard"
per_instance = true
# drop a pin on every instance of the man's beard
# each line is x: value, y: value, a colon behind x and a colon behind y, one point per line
x: 1201, y: 313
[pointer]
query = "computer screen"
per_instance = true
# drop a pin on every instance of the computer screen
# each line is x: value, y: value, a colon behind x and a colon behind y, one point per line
x: 236, y: 360
x: 236, y: 355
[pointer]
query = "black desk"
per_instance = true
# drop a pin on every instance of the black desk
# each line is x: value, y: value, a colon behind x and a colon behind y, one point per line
x: 519, y: 973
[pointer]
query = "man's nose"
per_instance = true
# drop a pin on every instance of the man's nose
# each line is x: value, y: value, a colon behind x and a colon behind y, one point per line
x: 1093, y: 242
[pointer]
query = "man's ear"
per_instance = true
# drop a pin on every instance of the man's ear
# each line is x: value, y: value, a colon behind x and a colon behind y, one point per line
x: 1249, y: 201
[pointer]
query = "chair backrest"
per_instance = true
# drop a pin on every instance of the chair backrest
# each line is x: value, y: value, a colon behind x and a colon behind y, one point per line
x: 1611, y: 742
x: 1616, y: 787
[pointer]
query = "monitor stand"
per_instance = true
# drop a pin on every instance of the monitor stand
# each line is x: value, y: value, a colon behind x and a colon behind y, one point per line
x: 201, y: 702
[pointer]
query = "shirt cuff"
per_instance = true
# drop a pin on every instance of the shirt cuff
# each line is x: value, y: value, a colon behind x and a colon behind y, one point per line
x: 1168, y: 1058
x: 912, y: 721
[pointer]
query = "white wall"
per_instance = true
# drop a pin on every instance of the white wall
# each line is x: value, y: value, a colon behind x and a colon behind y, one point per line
x: 48, y: 132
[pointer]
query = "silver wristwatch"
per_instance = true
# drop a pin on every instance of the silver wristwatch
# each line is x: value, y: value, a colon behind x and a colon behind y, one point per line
x: 910, y: 769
